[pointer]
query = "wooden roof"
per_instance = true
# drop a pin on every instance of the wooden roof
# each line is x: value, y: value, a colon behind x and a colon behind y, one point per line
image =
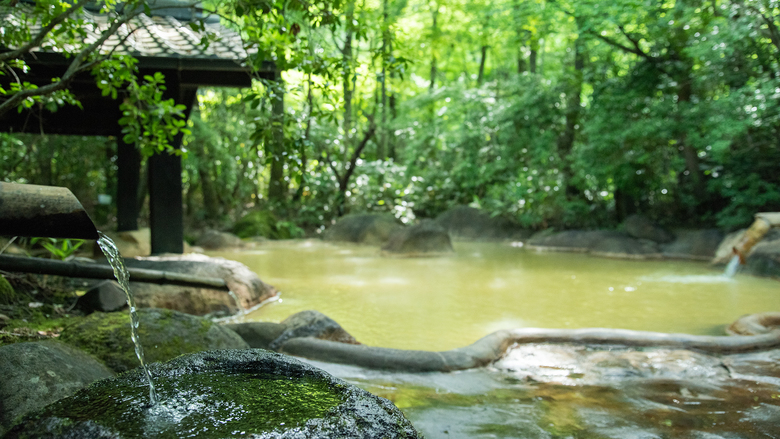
x: 163, y: 42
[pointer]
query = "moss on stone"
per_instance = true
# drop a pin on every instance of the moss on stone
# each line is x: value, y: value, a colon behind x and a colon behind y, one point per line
x: 220, y: 394
x: 164, y: 334
x: 256, y: 223
x: 7, y: 293
x: 213, y: 404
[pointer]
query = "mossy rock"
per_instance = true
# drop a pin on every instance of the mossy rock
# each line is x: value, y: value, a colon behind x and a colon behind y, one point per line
x: 256, y: 223
x: 7, y: 293
x: 468, y: 223
x: 219, y: 394
x: 164, y: 334
x: 420, y: 239
x: 266, y: 224
x: 39, y: 373
x: 366, y: 228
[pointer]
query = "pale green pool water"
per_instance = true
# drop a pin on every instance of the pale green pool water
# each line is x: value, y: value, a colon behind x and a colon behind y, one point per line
x: 448, y: 302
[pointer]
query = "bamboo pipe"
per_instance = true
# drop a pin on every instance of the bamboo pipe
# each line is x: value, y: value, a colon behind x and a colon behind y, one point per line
x: 32, y: 210
x: 764, y: 221
x: 99, y: 271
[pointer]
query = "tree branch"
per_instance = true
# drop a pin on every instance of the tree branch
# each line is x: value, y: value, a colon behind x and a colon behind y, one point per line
x: 74, y: 67
x: 332, y: 167
x: 636, y: 50
x: 35, y: 42
x: 356, y: 155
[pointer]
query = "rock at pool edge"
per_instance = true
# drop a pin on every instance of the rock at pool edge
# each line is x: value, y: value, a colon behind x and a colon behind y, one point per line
x: 220, y: 394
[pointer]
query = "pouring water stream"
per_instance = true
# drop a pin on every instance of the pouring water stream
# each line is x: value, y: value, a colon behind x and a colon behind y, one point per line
x: 122, y: 276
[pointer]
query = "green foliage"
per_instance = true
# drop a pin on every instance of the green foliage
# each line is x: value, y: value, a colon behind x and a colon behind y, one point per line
x: 559, y: 114
x: 149, y: 121
x: 59, y: 248
x: 264, y: 223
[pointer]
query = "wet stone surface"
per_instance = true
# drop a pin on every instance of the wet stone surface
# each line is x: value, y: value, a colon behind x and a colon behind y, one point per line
x: 561, y: 391
x: 220, y: 394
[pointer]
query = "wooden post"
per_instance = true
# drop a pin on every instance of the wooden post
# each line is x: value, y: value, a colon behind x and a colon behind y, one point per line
x: 166, y: 209
x: 128, y: 180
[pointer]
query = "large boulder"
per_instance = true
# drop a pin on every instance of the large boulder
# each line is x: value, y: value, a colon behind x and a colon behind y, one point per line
x: 468, y: 223
x: 764, y: 260
x: 216, y: 240
x: 367, y: 228
x: 221, y: 394
x: 164, y: 334
x: 693, y: 244
x: 424, y: 238
x: 268, y: 335
x: 38, y: 373
x: 641, y: 227
x: 244, y: 284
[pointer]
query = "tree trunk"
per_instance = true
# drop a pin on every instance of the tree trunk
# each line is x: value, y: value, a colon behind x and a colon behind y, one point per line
x: 483, y: 57
x: 381, y: 152
x: 573, y: 106
x: 277, y: 187
x: 690, y: 155
x: 520, y: 61
x: 434, y: 36
x: 348, y: 90
x: 210, y: 204
x: 306, y: 134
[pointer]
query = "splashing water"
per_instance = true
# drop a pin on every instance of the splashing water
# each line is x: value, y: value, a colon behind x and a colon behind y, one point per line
x: 123, y: 277
x: 732, y: 267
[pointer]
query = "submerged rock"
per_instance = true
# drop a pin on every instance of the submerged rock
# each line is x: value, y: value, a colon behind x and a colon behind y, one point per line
x: 468, y: 223
x: 367, y: 228
x: 164, y: 334
x: 246, y: 285
x: 220, y: 394
x: 419, y: 239
x: 39, y: 373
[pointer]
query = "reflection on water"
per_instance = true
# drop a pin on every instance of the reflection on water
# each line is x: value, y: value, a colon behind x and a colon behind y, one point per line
x: 449, y: 302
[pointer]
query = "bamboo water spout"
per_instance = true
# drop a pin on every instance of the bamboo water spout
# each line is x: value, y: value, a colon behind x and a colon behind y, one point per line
x: 50, y: 211
x: 764, y: 221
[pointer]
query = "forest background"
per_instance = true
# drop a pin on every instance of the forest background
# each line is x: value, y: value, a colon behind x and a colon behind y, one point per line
x: 564, y: 114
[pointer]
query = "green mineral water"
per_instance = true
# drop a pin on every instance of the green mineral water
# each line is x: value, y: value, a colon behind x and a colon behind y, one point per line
x: 123, y: 277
